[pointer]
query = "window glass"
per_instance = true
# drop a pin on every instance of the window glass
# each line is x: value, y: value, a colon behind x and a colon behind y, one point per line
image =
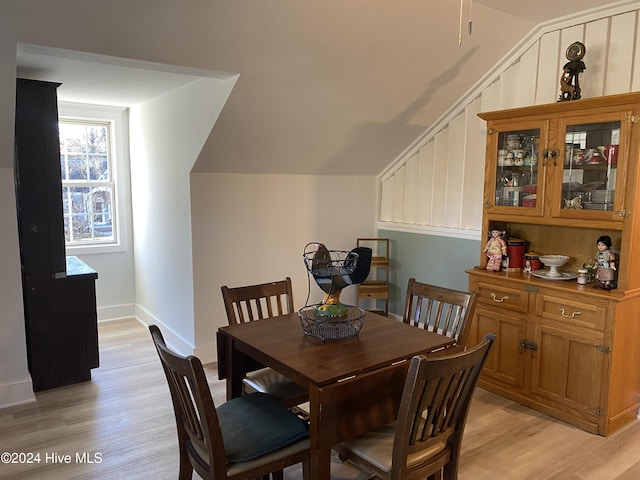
x: 87, y: 187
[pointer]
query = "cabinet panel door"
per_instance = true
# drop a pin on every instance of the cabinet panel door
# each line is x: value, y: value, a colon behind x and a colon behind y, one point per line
x: 514, y: 172
x: 588, y: 177
x: 505, y: 362
x: 567, y: 368
x: 38, y: 180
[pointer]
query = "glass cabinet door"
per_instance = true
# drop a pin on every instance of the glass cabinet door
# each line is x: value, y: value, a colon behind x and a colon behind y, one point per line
x: 590, y: 166
x: 589, y: 179
x: 517, y: 160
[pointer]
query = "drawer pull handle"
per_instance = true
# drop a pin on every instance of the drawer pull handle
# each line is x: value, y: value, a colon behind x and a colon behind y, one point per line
x: 499, y: 300
x: 573, y: 315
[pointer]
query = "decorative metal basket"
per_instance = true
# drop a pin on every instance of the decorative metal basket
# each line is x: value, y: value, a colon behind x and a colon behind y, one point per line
x: 329, y: 263
x: 318, y: 324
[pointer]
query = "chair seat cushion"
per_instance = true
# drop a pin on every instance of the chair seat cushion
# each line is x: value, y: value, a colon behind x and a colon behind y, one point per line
x: 376, y: 447
x: 256, y: 424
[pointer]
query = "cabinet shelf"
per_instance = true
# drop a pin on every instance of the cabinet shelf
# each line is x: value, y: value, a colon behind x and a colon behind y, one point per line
x: 377, y: 262
x: 376, y: 286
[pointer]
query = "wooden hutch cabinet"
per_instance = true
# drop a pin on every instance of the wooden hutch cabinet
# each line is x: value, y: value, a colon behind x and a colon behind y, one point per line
x: 559, y: 176
x: 58, y: 291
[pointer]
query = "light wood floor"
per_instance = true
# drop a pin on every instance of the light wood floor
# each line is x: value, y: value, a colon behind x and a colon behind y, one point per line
x: 123, y: 418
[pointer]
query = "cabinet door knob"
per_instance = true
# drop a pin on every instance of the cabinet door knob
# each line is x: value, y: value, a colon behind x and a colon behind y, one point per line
x: 495, y: 298
x: 573, y: 315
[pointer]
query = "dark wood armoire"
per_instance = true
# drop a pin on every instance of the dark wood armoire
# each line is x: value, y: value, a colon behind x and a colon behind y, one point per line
x: 58, y: 291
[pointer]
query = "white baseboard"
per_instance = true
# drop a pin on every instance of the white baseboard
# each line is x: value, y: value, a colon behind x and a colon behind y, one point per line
x: 116, y: 312
x: 207, y: 352
x: 16, y: 393
x: 173, y: 339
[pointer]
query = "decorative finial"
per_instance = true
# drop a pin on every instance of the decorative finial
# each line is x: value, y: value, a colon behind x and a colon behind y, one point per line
x: 569, y: 80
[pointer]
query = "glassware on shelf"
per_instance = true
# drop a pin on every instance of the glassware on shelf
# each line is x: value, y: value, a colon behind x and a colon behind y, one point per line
x: 590, y: 166
x: 517, y: 168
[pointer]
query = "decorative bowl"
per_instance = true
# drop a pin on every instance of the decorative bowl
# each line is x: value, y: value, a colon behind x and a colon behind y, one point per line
x: 317, y: 322
x: 553, y: 262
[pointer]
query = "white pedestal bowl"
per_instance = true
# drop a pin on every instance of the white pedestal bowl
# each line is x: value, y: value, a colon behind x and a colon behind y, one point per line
x: 553, y: 262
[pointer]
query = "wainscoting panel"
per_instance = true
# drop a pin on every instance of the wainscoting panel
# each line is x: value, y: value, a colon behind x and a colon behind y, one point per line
x: 436, y: 185
x: 470, y: 207
x: 426, y: 184
x: 620, y: 61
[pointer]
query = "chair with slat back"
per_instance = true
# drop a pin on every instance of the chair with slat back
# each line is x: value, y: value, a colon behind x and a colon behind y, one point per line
x: 424, y: 441
x: 247, y: 437
x: 260, y: 302
x: 439, y: 309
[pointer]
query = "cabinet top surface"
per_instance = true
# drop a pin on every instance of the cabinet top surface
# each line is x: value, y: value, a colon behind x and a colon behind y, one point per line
x: 613, y: 101
x: 520, y: 279
x: 76, y: 267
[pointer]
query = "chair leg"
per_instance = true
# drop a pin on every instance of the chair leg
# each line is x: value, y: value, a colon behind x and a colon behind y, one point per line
x: 185, y: 473
x: 306, y: 471
x: 186, y: 470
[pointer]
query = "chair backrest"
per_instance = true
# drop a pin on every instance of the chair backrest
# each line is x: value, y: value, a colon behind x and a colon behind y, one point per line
x: 199, y: 435
x: 433, y: 410
x: 256, y: 302
x: 439, y: 309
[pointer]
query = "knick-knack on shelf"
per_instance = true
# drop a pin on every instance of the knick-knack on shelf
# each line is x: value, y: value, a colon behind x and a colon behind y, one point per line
x: 496, y: 249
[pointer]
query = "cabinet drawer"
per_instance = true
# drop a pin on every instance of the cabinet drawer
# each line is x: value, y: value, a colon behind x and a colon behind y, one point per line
x: 502, y: 296
x: 373, y: 289
x: 573, y: 310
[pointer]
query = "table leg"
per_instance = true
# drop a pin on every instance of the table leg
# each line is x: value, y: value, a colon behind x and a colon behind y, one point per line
x: 233, y: 365
x: 349, y: 408
x: 319, y: 456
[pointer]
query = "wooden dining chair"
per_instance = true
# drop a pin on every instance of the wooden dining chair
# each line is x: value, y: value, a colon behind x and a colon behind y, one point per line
x: 424, y: 441
x: 247, y: 437
x: 439, y: 309
x: 259, y: 302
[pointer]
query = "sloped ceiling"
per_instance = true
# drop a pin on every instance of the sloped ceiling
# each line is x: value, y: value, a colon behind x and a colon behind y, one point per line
x: 339, y: 86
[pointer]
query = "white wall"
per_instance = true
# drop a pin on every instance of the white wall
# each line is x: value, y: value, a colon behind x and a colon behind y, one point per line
x: 15, y: 383
x: 167, y: 134
x: 253, y: 228
x: 115, y: 287
x: 436, y: 186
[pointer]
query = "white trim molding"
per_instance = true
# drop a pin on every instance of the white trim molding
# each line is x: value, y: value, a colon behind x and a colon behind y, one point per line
x: 429, y: 230
x: 16, y: 393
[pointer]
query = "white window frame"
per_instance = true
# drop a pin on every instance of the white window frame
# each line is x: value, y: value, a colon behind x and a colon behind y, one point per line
x: 117, y: 117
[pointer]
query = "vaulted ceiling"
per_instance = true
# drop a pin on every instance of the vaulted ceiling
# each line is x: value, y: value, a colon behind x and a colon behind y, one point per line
x: 336, y: 86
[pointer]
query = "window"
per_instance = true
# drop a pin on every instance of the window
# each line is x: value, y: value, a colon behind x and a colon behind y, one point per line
x: 87, y: 187
x: 92, y: 149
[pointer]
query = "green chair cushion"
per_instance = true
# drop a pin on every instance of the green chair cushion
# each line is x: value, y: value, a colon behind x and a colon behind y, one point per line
x: 256, y: 424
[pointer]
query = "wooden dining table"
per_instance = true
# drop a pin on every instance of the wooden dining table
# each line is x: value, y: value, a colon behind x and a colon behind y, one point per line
x: 354, y: 384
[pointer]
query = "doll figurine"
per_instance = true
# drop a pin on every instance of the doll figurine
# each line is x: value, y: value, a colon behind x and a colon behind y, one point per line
x: 605, y: 263
x: 496, y: 249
